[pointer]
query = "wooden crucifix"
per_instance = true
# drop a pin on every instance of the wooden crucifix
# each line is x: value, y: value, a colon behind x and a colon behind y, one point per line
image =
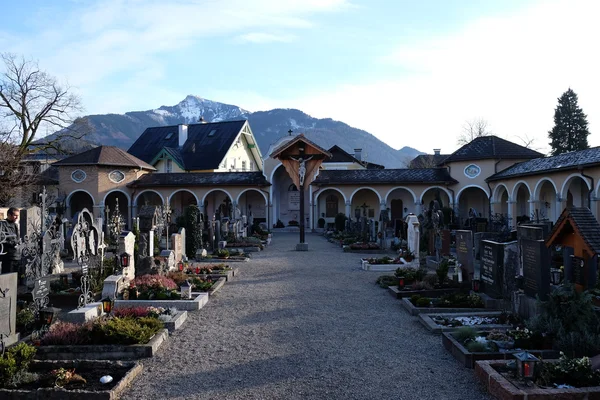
x: 301, y: 159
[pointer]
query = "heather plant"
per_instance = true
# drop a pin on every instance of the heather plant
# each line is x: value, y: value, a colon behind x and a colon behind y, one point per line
x: 575, y: 372
x: 133, y: 312
x: 14, y: 365
x: 66, y: 333
x: 128, y: 331
x: 203, y: 285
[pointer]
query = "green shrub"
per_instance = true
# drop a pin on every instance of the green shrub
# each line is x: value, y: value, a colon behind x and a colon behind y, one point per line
x: 423, y: 302
x: 464, y: 333
x: 414, y: 298
x: 430, y: 279
x: 25, y: 319
x: 387, y: 280
x: 222, y: 253
x: 442, y: 271
x: 340, y: 222
x: 569, y: 371
x: 14, y: 364
x: 477, y: 347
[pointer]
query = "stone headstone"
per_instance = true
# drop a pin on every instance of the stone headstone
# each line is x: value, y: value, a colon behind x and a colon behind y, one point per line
x: 127, y: 245
x: 8, y: 307
x: 41, y: 288
x: 531, y: 232
x: 536, y: 268
x: 222, y: 244
x: 177, y: 246
x: 464, y: 252
x: 168, y: 257
x: 413, y: 234
x: 512, y: 266
x: 113, y: 286
x: 446, y: 241
x: 478, y: 237
x: 182, y: 233
x: 143, y: 245
x: 30, y: 221
x: 147, y: 216
x: 492, y: 268
x: 151, y: 243
x: 201, y: 253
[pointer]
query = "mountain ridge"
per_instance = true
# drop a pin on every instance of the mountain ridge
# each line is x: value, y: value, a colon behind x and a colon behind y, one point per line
x: 268, y: 126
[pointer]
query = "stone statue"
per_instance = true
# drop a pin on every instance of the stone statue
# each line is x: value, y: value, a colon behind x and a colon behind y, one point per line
x: 302, y: 168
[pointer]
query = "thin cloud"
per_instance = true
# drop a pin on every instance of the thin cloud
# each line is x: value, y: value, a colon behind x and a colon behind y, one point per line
x: 261, y: 37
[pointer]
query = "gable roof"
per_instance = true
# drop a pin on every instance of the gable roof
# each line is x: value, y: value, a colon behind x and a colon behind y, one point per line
x: 427, y: 160
x: 491, y: 147
x: 107, y: 156
x: 339, y: 155
x: 295, y: 140
x: 583, y: 222
x: 384, y: 176
x: 203, y: 149
x: 572, y: 160
x: 173, y: 154
x: 201, y: 179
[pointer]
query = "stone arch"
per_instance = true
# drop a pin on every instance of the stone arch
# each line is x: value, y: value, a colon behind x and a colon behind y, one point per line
x: 182, y: 190
x: 120, y: 191
x: 124, y: 209
x: 365, y: 188
x: 497, y: 194
x: 137, y: 198
x: 445, y: 190
x: 565, y: 187
x: 516, y: 188
x: 387, y: 195
x: 470, y: 186
x: 74, y: 208
x: 330, y: 188
x: 538, y: 187
x: 479, y: 201
x: 216, y: 190
x: 81, y: 190
x: 237, y: 200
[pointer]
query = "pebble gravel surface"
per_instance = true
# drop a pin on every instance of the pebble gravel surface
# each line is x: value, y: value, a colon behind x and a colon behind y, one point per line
x: 303, y: 325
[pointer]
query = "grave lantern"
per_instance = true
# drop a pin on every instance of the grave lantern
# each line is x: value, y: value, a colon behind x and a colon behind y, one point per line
x: 526, y: 363
x: 47, y: 315
x: 186, y: 290
x: 476, y: 285
x: 124, y: 260
x: 107, y: 305
x: 555, y: 276
x: 401, y: 282
x: 197, y: 270
x: 180, y: 266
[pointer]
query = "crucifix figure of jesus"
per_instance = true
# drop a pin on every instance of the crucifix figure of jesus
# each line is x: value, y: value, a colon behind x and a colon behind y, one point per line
x: 302, y: 168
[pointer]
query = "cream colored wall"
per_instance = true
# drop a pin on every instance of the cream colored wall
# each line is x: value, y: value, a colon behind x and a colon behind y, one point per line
x: 240, y: 154
x: 161, y: 166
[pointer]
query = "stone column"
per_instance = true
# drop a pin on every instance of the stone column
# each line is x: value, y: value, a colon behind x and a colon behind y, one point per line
x: 512, y: 212
x: 560, y: 204
x: 348, y: 209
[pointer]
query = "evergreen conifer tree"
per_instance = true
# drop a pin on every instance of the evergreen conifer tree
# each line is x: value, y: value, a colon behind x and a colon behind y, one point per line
x: 570, y: 130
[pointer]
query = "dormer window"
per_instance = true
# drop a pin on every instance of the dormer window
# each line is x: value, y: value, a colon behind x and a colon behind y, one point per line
x: 169, y: 136
x: 212, y: 133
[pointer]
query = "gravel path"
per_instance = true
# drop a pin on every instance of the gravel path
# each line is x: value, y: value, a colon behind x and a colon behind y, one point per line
x: 303, y: 325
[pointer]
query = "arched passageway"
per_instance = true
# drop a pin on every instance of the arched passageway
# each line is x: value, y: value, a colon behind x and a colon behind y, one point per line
x: 329, y: 203
x: 473, y: 206
x: 179, y: 201
x: 78, y: 201
x: 111, y: 201
x: 253, y: 204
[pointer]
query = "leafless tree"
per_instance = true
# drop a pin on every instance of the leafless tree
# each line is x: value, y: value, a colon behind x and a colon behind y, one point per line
x: 473, y: 129
x: 31, y: 102
x: 528, y: 142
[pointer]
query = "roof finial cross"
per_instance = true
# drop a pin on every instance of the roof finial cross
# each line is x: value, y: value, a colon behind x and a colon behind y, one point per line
x: 290, y: 132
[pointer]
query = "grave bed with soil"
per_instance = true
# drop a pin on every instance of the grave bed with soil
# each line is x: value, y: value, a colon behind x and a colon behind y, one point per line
x: 407, y: 292
x: 230, y: 259
x: 122, y: 372
x: 468, y: 358
x: 485, y: 320
x: 437, y: 305
x: 501, y: 385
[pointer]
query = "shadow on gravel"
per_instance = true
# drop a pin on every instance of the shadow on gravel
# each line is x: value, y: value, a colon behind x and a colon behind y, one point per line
x: 252, y: 374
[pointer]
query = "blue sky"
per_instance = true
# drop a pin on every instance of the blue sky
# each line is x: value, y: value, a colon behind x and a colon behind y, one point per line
x: 409, y: 72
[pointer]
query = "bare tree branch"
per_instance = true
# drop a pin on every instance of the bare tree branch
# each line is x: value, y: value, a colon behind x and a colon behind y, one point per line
x: 528, y: 142
x: 473, y: 129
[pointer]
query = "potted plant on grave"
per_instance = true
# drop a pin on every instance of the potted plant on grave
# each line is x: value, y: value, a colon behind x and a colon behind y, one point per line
x: 222, y: 253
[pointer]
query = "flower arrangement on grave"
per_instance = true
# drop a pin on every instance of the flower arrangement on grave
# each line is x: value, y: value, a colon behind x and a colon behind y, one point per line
x: 64, y: 376
x: 407, y: 255
x: 568, y: 372
x: 364, y: 246
x: 150, y: 287
x: 222, y: 253
x: 202, y: 285
x: 125, y: 330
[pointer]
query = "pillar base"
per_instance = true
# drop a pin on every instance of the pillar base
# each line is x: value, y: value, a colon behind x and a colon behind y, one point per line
x: 302, y: 247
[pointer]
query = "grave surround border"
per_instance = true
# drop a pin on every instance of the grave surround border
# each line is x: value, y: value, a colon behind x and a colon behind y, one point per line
x: 104, y: 351
x: 60, y: 393
x: 501, y: 388
x: 186, y: 305
x: 428, y: 322
x: 413, y: 310
x: 399, y: 294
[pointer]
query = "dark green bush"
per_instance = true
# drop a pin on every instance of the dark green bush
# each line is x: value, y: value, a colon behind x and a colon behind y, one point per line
x: 464, y: 333
x: 442, y: 271
x: 127, y: 331
x: 414, y: 298
x: 423, y: 302
x: 569, y: 371
x: 387, y: 280
x: 477, y: 347
x: 340, y: 222
x: 14, y: 363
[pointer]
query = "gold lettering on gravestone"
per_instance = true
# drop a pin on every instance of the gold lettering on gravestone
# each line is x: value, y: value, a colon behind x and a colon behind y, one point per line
x: 487, y: 265
x: 5, y: 315
x: 530, y: 262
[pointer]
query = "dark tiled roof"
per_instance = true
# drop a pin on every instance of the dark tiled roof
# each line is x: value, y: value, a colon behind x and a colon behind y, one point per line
x: 202, y: 179
x: 379, y: 176
x: 428, y: 160
x: 105, y: 155
x: 571, y: 160
x: 486, y: 147
x: 582, y: 221
x: 199, y: 152
x: 339, y: 155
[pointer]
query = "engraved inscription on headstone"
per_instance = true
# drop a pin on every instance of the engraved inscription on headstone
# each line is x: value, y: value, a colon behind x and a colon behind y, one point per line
x: 492, y: 267
x: 464, y: 250
x: 536, y: 268
x: 41, y: 287
x: 5, y: 315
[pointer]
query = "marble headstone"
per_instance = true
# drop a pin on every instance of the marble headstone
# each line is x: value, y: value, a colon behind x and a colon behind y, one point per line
x: 413, y: 234
x: 177, y: 246
x: 127, y: 245
x: 8, y: 307
x: 182, y: 233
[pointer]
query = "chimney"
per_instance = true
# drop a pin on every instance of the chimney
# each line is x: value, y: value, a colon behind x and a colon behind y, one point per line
x: 183, y: 134
x: 201, y: 120
x: 358, y: 154
x: 437, y: 151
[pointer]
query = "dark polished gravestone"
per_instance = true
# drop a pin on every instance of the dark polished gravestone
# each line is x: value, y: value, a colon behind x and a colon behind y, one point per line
x: 499, y: 265
x: 8, y: 308
x: 464, y: 252
x: 446, y: 241
x: 536, y: 268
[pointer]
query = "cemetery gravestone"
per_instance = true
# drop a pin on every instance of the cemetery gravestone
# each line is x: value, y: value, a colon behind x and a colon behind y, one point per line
x: 177, y: 246
x: 182, y: 234
x: 536, y: 268
x: 127, y: 245
x: 413, y: 234
x: 464, y: 252
x: 446, y: 240
x: 30, y: 221
x: 492, y: 258
x: 8, y: 308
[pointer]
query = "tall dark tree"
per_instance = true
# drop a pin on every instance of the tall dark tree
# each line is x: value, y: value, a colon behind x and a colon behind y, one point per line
x: 570, y: 130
